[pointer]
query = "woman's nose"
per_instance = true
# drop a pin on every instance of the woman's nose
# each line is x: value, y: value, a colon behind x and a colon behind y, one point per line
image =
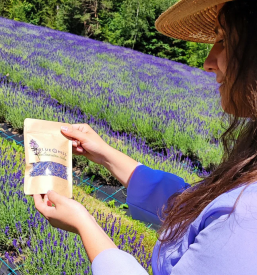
x: 210, y: 64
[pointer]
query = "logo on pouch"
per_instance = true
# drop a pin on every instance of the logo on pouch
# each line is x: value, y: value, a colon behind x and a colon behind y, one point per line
x: 34, y: 147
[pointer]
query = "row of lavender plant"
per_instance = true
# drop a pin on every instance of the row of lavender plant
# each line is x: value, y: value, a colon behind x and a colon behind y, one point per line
x: 18, y: 102
x: 168, y: 103
x: 26, y: 236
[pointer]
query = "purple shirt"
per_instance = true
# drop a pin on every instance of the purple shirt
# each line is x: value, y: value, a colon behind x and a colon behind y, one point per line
x: 215, y: 243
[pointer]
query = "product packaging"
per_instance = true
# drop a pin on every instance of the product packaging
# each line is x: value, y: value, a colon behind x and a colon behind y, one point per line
x: 48, y: 155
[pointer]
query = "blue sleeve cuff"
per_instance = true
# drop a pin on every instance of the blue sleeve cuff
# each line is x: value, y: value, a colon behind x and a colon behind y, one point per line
x: 148, y: 191
x: 116, y: 262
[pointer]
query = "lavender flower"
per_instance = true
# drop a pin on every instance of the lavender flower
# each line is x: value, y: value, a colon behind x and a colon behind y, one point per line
x: 34, y: 146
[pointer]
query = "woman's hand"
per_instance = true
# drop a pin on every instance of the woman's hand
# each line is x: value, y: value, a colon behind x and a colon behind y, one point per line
x: 87, y: 142
x: 66, y: 213
x: 70, y: 215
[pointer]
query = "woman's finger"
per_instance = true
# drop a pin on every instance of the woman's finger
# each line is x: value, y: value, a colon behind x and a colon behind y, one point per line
x: 39, y: 203
x: 76, y: 152
x: 76, y: 143
x: 81, y: 127
x: 79, y: 149
x: 43, y: 207
x: 55, y: 198
x: 74, y: 134
x: 45, y: 199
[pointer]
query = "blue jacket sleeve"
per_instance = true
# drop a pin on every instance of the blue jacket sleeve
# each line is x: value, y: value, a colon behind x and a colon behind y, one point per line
x: 148, y: 191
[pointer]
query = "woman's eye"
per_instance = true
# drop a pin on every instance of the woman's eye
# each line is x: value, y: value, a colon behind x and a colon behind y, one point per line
x: 222, y: 41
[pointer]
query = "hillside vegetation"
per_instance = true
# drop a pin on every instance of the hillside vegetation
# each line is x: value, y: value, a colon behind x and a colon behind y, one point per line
x: 127, y: 23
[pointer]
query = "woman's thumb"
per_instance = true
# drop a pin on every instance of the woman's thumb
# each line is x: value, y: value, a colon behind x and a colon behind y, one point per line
x: 54, y: 197
x: 73, y: 133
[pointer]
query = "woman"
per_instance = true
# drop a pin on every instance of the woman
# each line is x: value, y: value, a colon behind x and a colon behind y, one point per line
x: 209, y: 229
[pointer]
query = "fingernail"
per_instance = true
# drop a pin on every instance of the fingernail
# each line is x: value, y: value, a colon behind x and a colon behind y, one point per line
x: 80, y: 149
x: 64, y: 128
x: 46, y: 197
x: 48, y: 192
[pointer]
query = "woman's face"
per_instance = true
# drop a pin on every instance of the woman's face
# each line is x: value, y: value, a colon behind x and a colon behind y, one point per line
x: 216, y: 61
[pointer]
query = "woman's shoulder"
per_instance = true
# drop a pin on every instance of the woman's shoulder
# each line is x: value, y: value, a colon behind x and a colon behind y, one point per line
x: 240, y: 201
x: 229, y: 198
x: 216, y: 237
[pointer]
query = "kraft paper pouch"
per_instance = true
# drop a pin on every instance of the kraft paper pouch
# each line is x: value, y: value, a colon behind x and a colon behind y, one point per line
x: 48, y: 156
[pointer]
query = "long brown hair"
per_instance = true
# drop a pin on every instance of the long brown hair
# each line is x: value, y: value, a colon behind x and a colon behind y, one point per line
x: 238, y: 20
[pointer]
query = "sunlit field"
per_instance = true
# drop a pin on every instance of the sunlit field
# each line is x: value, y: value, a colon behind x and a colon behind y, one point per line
x: 164, y: 114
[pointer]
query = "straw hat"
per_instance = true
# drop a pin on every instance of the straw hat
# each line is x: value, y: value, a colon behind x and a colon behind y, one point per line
x: 191, y: 20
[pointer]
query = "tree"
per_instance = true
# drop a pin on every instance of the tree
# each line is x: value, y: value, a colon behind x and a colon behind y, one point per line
x: 129, y: 22
x: 93, y: 9
x: 197, y: 53
x: 68, y: 16
x: 4, y: 8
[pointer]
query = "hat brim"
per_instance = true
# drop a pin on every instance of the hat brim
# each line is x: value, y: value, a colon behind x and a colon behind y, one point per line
x: 190, y: 20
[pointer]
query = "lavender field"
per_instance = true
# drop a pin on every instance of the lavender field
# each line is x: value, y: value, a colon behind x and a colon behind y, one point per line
x: 157, y: 111
x: 18, y: 102
x: 166, y: 103
x: 39, y: 248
